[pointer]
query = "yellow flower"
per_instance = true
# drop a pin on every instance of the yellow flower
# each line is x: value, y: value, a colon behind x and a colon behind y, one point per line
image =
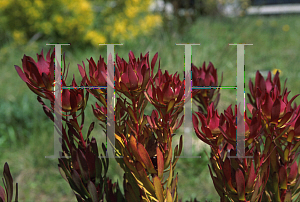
x: 275, y: 70
x: 286, y: 28
x: 95, y: 38
x: 3, y: 4
x: 131, y: 11
x: 59, y: 19
x: 19, y: 37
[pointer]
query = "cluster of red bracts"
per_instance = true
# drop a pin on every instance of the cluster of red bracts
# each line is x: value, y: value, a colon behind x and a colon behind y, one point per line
x: 272, y: 137
x: 205, y: 77
x: 272, y: 132
x: 146, y: 141
x: 84, y: 171
x: 39, y: 77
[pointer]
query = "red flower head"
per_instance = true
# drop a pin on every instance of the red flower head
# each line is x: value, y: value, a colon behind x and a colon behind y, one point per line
x: 275, y: 108
x: 72, y: 99
x: 97, y: 77
x: 217, y: 128
x: 205, y: 77
x: 211, y: 133
x: 167, y: 91
x: 39, y: 76
x: 132, y: 78
x: 97, y: 72
x: 273, y: 104
x: 263, y: 86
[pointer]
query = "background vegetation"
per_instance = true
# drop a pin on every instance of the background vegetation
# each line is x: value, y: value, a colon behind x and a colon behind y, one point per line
x: 26, y: 134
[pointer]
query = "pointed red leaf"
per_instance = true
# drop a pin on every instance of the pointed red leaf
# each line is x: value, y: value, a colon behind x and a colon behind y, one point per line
x: 160, y: 163
x: 282, y: 178
x: 144, y: 178
x: 251, y: 178
x: 293, y: 172
x: 240, y: 184
x: 145, y: 158
x: 8, y: 182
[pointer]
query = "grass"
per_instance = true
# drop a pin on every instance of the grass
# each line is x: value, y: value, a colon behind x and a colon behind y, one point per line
x: 26, y: 133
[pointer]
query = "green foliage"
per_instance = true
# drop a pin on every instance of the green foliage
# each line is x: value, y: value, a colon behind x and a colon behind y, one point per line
x: 121, y: 20
x: 55, y: 21
x: 81, y: 22
x: 273, y: 48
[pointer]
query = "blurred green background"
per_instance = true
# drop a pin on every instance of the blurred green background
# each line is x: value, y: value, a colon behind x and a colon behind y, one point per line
x: 26, y: 134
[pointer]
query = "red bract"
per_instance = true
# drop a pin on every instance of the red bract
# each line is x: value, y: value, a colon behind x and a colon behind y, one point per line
x: 97, y: 78
x: 72, y: 99
x: 210, y: 126
x: 167, y: 91
x: 132, y: 78
x: 220, y: 130
x: 100, y: 112
x: 275, y: 108
x: 264, y: 85
x: 39, y: 76
x: 294, y: 122
x: 6, y: 195
x: 273, y: 104
x: 205, y: 77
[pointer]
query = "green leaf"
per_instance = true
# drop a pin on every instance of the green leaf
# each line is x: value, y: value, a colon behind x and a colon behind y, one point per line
x: 296, y: 147
x: 93, y: 191
x: 158, y: 188
x: 132, y: 114
x: 169, y: 157
x: 90, y: 129
x: 105, y: 161
x: 286, y: 155
x: 170, y: 177
x: 169, y: 196
x: 170, y: 105
x: 297, y: 185
x: 144, y: 178
x: 62, y: 172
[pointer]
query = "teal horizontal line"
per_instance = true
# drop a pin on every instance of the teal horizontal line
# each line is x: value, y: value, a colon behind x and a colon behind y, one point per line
x: 104, y: 87
x: 84, y: 87
x: 216, y: 87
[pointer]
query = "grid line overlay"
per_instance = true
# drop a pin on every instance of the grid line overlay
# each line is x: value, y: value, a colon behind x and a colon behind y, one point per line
x: 187, y: 106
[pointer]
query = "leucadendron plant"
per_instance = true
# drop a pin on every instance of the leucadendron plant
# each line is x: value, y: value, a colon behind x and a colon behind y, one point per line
x: 272, y: 132
x: 145, y: 142
x: 272, y: 136
x: 84, y: 171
